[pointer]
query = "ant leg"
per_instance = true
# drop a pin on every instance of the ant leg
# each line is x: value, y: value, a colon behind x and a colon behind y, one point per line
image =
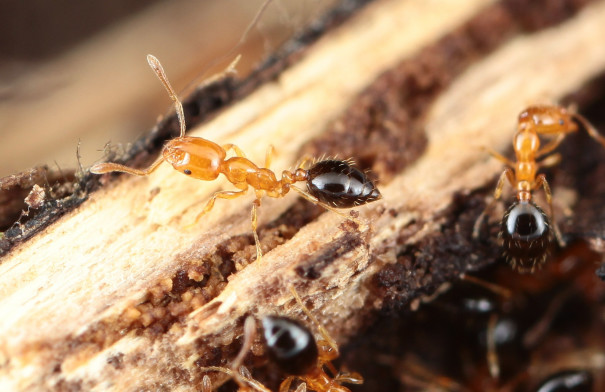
x: 242, y: 381
x: 494, y: 288
x: 106, y: 167
x: 243, y: 378
x: 301, y: 388
x: 551, y: 160
x: 269, y: 155
x: 548, y: 148
x: 506, y: 174
x: 541, y: 182
x: 419, y: 375
x: 247, y: 377
x: 499, y: 156
x: 254, y: 219
x: 238, y: 151
x: 285, y: 385
x: 493, y: 362
x: 217, y: 195
x: 331, y: 351
x: 592, y: 131
x: 349, y: 378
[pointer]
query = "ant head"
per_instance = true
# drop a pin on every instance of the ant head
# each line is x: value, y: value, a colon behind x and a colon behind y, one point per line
x: 525, y: 232
x: 194, y: 157
x: 290, y: 345
x: 340, y: 185
x: 546, y: 120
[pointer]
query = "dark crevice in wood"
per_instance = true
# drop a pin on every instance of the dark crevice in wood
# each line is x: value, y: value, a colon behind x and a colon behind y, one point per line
x: 446, y: 336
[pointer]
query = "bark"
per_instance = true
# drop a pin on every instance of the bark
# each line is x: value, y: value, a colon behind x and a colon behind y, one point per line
x: 119, y: 294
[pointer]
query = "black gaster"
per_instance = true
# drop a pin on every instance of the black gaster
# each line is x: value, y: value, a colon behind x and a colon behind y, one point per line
x: 340, y: 185
x: 290, y: 345
x: 525, y: 232
x: 568, y: 381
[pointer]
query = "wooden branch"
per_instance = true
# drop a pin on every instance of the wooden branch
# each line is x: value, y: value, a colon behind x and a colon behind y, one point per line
x: 119, y: 295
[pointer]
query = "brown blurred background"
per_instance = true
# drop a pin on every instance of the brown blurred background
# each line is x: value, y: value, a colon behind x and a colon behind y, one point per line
x: 75, y: 70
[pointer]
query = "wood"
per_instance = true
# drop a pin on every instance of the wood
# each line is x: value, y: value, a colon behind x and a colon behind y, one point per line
x: 83, y: 302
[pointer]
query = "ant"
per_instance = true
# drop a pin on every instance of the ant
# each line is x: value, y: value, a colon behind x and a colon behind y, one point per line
x: 330, y: 183
x: 294, y: 350
x: 525, y: 227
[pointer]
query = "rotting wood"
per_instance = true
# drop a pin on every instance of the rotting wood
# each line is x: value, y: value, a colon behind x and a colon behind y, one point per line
x: 90, y: 300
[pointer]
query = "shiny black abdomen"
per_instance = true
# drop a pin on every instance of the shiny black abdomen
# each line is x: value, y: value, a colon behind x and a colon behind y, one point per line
x: 290, y: 345
x: 525, y: 232
x: 340, y: 185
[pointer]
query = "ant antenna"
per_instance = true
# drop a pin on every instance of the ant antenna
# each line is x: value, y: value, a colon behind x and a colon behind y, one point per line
x: 249, y: 334
x: 322, y: 330
x: 155, y: 65
x: 231, y: 51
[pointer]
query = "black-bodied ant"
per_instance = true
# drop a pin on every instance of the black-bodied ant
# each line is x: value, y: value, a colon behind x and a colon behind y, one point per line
x: 525, y: 228
x: 330, y: 183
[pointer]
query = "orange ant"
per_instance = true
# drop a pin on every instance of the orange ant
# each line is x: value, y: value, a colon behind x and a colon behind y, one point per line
x: 330, y: 183
x: 525, y: 228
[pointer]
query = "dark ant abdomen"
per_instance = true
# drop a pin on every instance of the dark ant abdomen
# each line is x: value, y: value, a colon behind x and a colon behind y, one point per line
x: 290, y: 345
x: 525, y: 232
x: 340, y: 185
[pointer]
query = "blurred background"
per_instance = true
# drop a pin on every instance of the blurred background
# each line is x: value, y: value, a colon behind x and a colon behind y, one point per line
x: 75, y: 71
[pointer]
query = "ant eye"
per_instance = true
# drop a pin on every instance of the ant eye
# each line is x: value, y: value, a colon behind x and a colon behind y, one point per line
x: 568, y: 381
x: 340, y: 185
x: 526, y: 235
x: 561, y: 122
x: 187, y: 171
x: 290, y: 345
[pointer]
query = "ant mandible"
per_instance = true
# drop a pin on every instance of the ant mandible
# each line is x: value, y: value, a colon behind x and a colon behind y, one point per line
x: 525, y: 228
x: 330, y: 183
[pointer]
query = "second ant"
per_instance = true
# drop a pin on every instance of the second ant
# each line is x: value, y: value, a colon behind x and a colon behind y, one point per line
x: 525, y: 228
x: 330, y: 183
x: 292, y: 347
